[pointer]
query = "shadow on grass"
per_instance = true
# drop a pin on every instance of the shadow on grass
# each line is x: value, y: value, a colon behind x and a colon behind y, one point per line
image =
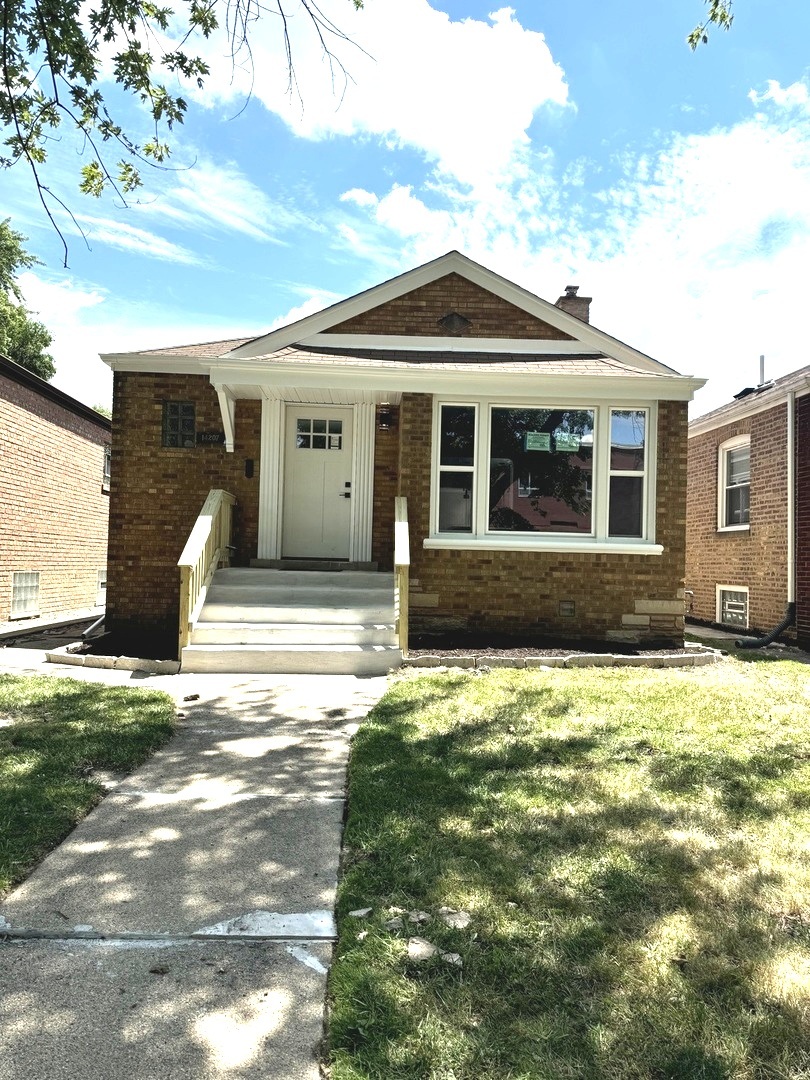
x: 622, y: 920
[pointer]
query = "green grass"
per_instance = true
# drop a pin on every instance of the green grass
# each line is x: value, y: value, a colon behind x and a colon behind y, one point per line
x: 634, y: 849
x: 61, y: 731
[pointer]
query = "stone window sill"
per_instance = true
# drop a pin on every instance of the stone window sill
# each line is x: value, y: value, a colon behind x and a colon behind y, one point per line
x: 527, y: 543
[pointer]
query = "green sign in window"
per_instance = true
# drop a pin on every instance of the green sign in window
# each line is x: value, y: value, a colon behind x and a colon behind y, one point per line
x: 536, y: 440
x: 565, y: 440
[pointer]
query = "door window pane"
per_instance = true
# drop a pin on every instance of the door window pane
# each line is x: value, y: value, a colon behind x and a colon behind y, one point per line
x: 540, y: 469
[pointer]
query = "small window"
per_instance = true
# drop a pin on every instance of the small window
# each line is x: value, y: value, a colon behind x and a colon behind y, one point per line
x: 627, y: 460
x: 319, y: 434
x: 732, y: 606
x: 734, y: 484
x: 101, y: 588
x: 105, y: 476
x: 179, y: 426
x: 456, y: 468
x: 24, y: 594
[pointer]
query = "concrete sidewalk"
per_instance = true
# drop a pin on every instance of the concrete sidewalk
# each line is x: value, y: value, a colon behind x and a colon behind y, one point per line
x: 184, y: 929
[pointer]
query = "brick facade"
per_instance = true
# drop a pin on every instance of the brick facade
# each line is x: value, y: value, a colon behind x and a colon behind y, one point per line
x: 803, y: 521
x: 52, y: 505
x: 418, y: 313
x: 623, y: 598
x: 755, y: 558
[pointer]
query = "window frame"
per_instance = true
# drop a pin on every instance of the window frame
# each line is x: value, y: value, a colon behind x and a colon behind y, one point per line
x: 106, y: 469
x: 599, y: 540
x: 723, y: 450
x: 164, y: 431
x: 36, y: 610
x: 718, y: 604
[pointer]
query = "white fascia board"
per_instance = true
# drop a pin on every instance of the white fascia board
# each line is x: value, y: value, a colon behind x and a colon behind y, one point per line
x: 398, y: 343
x: 158, y: 365
x: 463, y: 382
x: 749, y: 407
x: 453, y: 262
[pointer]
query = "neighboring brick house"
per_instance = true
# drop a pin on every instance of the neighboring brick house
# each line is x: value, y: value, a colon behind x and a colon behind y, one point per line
x: 543, y: 461
x: 54, y: 502
x: 748, y: 509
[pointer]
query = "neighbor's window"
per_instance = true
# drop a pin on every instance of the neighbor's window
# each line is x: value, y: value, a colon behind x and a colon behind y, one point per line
x: 732, y: 606
x: 101, y: 587
x: 540, y: 467
x: 105, y: 477
x: 734, y: 483
x: 179, y: 428
x: 628, y: 428
x: 456, y: 467
x: 24, y: 594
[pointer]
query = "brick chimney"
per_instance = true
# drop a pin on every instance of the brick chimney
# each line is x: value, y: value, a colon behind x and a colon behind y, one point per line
x: 575, y: 305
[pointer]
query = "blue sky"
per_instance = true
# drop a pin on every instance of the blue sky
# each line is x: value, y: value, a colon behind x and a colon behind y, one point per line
x: 556, y: 143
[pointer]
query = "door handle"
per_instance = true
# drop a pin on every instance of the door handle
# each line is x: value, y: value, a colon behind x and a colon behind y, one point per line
x: 345, y: 495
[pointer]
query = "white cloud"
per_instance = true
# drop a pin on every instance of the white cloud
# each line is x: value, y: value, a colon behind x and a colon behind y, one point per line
x: 220, y: 197
x: 463, y: 92
x: 130, y: 238
x: 697, y: 255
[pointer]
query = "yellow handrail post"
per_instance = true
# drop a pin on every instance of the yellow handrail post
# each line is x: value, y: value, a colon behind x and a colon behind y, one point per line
x: 207, y: 546
x: 402, y: 562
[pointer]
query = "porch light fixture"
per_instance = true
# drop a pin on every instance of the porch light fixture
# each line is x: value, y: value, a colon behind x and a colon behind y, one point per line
x: 385, y: 417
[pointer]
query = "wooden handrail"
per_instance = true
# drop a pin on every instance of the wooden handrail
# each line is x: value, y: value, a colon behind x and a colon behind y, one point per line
x: 206, y: 548
x: 402, y: 565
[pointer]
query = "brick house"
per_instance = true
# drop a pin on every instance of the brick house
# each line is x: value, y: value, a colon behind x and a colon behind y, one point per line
x: 542, y: 460
x: 54, y: 501
x: 748, y: 509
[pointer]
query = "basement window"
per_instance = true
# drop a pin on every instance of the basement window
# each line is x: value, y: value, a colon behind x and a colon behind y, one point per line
x: 24, y: 594
x: 732, y: 606
x: 179, y: 424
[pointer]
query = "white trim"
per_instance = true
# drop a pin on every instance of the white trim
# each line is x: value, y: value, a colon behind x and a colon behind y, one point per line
x: 452, y: 262
x: 415, y: 343
x: 364, y: 431
x: 798, y: 383
x: 270, y: 474
x: 227, y: 408
x: 556, y: 544
x: 598, y: 540
x: 723, y: 450
x: 395, y: 376
x: 718, y: 590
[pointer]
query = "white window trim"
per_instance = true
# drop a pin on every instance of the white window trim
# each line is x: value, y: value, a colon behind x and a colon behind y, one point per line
x: 718, y: 604
x: 722, y: 458
x: 598, y: 541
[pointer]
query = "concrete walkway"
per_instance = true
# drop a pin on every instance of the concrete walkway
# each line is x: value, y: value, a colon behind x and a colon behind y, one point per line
x: 184, y: 929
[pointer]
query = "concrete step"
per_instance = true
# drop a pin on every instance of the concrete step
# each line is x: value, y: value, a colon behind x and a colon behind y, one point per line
x: 294, y: 633
x: 296, y: 613
x: 291, y: 659
x: 255, y: 578
x: 300, y: 597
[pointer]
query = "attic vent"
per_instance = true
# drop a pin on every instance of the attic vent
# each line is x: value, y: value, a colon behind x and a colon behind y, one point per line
x: 454, y: 323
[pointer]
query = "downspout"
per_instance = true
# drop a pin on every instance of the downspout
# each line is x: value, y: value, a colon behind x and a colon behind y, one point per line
x: 790, y: 610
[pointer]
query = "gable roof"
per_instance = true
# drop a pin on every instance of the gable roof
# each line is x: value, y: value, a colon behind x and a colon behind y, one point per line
x: 307, y: 331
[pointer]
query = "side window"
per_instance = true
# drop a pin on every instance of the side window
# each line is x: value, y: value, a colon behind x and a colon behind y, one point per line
x: 179, y: 425
x: 456, y: 468
x: 734, y: 483
x: 105, y: 477
x: 24, y: 594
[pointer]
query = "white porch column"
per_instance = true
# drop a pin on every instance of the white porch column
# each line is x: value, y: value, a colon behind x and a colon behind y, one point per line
x: 363, y: 482
x: 270, y: 473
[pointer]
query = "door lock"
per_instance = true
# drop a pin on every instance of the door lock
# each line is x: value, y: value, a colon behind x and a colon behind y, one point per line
x: 345, y: 495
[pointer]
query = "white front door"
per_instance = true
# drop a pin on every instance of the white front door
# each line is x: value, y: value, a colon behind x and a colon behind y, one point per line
x: 316, y: 515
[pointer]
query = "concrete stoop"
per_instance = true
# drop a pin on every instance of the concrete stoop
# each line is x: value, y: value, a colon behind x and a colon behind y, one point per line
x: 273, y: 621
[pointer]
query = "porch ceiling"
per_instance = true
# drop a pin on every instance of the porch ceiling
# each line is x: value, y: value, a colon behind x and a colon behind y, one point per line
x: 313, y: 395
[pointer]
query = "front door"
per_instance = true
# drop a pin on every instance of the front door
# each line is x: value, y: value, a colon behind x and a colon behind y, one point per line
x: 316, y: 515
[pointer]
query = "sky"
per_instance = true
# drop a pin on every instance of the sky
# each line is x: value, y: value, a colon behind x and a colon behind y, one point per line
x: 555, y: 143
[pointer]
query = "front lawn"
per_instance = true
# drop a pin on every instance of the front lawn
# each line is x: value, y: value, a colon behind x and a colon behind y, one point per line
x: 633, y: 847
x: 54, y: 734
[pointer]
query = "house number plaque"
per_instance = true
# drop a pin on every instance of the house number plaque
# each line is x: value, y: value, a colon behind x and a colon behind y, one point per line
x: 207, y: 438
